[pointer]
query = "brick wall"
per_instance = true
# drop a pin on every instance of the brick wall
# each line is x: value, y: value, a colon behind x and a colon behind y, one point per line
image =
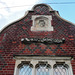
x: 10, y: 39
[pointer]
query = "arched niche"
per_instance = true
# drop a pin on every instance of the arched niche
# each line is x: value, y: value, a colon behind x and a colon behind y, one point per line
x: 41, y: 23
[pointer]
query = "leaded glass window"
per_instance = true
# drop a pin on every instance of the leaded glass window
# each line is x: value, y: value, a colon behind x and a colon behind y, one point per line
x: 61, y: 69
x: 42, y: 68
x: 25, y: 68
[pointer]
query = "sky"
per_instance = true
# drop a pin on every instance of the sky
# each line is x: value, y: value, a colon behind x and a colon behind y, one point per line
x: 13, y: 10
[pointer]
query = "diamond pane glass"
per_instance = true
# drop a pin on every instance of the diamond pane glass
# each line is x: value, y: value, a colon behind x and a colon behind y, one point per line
x: 42, y: 70
x: 60, y: 70
x: 25, y: 70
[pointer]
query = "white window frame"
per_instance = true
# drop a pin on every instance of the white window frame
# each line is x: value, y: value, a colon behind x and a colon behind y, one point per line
x: 35, y: 59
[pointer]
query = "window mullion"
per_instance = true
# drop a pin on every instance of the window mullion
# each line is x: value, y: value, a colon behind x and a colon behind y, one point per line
x: 51, y: 62
x: 34, y: 69
x: 16, y: 68
x: 70, y: 67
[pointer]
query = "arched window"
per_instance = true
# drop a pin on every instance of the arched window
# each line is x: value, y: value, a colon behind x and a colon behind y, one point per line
x: 42, y: 68
x: 25, y: 68
x: 61, y: 69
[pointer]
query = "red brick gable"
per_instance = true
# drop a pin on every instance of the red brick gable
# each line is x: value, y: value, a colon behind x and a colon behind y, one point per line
x: 10, y: 39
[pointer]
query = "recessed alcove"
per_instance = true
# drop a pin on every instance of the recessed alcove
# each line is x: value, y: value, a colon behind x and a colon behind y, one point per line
x: 41, y: 23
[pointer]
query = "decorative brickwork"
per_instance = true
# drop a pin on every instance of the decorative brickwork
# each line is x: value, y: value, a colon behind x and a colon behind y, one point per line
x: 10, y: 39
